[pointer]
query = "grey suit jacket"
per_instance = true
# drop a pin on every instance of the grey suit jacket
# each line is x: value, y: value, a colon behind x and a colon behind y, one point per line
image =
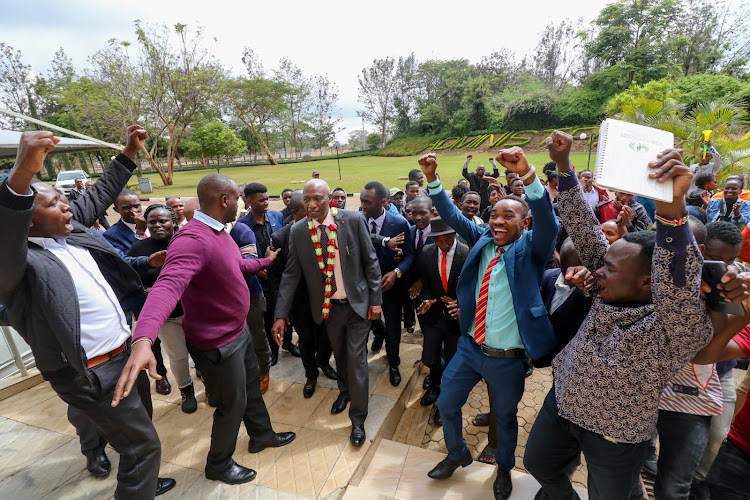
x: 359, y: 267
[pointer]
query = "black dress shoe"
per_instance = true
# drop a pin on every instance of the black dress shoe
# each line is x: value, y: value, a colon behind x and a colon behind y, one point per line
x: 426, y: 384
x: 339, y: 405
x: 235, y: 474
x: 189, y: 404
x: 358, y: 434
x: 97, y: 463
x: 502, y: 485
x: 445, y: 469
x: 274, y: 358
x: 395, y: 376
x: 377, y: 344
x: 163, y: 386
x: 329, y: 372
x: 437, y: 419
x: 430, y: 396
x: 292, y: 349
x: 530, y: 371
x: 309, y: 388
x: 281, y: 439
x: 410, y: 329
x: 164, y: 484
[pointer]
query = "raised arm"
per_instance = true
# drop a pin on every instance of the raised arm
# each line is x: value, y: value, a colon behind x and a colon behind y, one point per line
x: 93, y: 203
x: 445, y: 207
x: 716, y: 158
x: 495, y: 172
x: 465, y: 169
x: 579, y: 220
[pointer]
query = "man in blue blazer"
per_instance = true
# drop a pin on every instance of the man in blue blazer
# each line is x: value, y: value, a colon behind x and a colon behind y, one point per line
x: 504, y: 268
x: 131, y: 225
x: 383, y: 226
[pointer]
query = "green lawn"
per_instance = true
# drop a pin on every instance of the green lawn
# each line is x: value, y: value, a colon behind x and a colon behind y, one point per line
x: 355, y: 173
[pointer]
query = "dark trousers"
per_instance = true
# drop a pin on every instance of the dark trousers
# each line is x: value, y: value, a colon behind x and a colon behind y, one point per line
x: 126, y: 427
x: 269, y: 319
x: 682, y: 441
x: 554, y: 443
x: 728, y: 477
x: 392, y: 314
x: 410, y: 314
x: 506, y: 378
x: 156, y: 349
x: 231, y: 375
x: 314, y: 344
x: 347, y: 332
x: 256, y: 323
x: 438, y: 339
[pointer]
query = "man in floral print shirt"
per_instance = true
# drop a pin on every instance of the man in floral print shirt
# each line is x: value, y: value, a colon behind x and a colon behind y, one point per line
x: 647, y: 321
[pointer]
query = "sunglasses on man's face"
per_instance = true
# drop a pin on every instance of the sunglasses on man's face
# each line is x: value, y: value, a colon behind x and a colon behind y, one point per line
x: 407, y: 211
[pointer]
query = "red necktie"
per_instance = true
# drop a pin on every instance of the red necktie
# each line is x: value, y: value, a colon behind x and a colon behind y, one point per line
x: 481, y: 314
x: 444, y: 270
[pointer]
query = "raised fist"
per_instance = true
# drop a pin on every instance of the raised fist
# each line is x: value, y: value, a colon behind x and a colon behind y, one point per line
x: 559, y: 144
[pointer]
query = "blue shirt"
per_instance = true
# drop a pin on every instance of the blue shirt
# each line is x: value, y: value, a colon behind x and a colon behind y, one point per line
x: 501, y: 327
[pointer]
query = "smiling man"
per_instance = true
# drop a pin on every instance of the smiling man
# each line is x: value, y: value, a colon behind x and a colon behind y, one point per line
x: 503, y: 269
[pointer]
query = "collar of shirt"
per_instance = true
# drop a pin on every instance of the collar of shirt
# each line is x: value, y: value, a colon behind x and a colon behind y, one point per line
x: 450, y: 252
x: 254, y: 222
x: 131, y: 225
x: 46, y: 242
x: 209, y: 221
x: 378, y: 222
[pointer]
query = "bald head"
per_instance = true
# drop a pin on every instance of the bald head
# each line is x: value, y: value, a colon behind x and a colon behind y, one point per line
x: 191, y: 206
x: 218, y: 195
x: 316, y: 197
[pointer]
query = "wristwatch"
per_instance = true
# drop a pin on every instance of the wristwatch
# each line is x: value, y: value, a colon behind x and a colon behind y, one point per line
x: 398, y: 272
x: 386, y: 239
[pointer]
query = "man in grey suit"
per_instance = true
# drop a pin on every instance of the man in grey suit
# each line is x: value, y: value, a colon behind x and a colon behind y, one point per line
x: 355, y: 293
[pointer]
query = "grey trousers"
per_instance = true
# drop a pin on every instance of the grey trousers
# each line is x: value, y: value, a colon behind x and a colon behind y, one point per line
x: 348, y: 334
x: 255, y: 321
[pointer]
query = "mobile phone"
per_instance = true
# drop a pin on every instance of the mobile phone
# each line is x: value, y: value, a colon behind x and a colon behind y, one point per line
x: 713, y: 271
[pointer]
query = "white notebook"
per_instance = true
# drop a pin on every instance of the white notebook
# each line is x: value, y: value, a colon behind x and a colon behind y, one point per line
x: 622, y: 158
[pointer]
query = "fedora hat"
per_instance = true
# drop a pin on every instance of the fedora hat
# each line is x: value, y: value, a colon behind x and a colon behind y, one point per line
x: 438, y: 227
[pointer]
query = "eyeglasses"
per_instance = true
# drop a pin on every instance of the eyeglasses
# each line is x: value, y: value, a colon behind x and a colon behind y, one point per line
x: 407, y: 211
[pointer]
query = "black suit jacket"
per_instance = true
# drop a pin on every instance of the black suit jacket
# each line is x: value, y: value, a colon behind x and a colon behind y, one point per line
x: 432, y: 284
x: 567, y: 319
x: 393, y: 225
x: 359, y: 266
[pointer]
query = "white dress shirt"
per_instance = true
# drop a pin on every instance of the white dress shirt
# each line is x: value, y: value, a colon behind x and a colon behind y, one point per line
x: 338, y: 275
x: 562, y: 292
x: 132, y: 227
x: 378, y: 223
x: 103, y: 325
x: 448, y: 261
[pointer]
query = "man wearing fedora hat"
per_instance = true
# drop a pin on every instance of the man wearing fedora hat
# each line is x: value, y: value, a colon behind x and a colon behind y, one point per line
x: 440, y: 265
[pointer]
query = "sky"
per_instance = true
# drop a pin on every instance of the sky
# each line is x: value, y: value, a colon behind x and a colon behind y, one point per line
x: 331, y: 37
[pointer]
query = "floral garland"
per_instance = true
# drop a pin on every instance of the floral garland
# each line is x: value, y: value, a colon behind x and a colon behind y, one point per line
x: 326, y: 265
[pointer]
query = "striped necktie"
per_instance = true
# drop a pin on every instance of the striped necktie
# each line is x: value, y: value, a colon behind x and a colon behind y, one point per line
x: 479, y: 318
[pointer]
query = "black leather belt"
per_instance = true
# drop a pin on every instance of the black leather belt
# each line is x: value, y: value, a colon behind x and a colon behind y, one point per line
x: 339, y: 301
x: 500, y: 353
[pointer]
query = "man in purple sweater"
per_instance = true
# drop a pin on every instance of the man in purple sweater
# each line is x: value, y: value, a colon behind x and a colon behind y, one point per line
x: 201, y: 256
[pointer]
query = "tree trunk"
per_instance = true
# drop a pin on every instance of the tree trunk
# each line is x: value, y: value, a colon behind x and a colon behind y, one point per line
x: 251, y: 126
x: 156, y: 166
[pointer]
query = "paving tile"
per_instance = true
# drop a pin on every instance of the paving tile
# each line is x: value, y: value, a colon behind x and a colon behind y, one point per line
x: 322, y: 418
x: 293, y: 409
x: 20, y: 403
x: 48, y: 472
x: 185, y: 438
x: 22, y: 445
x: 288, y: 368
x: 275, y: 389
x: 304, y: 466
x: 344, y: 468
x: 384, y: 472
x: 377, y: 410
x: 84, y: 485
x: 50, y: 414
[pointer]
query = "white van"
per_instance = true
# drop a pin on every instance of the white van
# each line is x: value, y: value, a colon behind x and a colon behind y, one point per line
x: 67, y: 180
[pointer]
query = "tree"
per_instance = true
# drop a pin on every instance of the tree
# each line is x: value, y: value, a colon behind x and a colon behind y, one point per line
x: 373, y: 140
x: 212, y: 139
x: 355, y: 139
x: 377, y: 88
x: 553, y: 59
x: 297, y: 97
x: 325, y: 123
x: 16, y: 86
x: 179, y: 82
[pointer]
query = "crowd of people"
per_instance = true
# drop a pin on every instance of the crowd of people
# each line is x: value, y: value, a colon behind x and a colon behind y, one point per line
x: 606, y: 288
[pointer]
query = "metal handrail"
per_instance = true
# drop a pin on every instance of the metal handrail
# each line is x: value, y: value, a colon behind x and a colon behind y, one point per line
x: 17, y: 358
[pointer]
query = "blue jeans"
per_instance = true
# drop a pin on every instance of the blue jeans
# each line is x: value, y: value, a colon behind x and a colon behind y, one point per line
x: 505, y: 377
x: 554, y: 442
x: 728, y: 477
x: 682, y: 441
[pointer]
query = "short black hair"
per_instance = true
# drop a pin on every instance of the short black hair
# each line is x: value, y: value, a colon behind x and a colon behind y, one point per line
x: 380, y: 190
x: 411, y: 183
x: 467, y: 193
x: 509, y: 172
x: 724, y: 231
x: 413, y: 173
x: 520, y: 200
x: 338, y: 189
x: 126, y: 192
x: 587, y: 171
x: 458, y: 191
x: 296, y: 202
x: 159, y: 206
x: 517, y: 179
x: 701, y: 180
x: 698, y: 228
x: 551, y: 174
x: 287, y: 190
x: 426, y: 200
x: 254, y: 188
x: 550, y: 166
x: 737, y: 177
x: 647, y: 241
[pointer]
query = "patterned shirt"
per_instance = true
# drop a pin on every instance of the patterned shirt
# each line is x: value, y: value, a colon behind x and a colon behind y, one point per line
x: 609, y: 377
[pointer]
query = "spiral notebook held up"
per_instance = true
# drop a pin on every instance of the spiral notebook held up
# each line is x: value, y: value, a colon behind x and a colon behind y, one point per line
x: 622, y: 158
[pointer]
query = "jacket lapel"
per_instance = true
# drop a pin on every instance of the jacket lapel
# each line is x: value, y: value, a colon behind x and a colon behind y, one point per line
x: 342, y: 237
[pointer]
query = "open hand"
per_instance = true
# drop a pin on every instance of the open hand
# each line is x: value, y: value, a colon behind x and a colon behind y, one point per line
x: 395, y: 242
x: 425, y: 306
x: 733, y: 286
x: 415, y: 289
x: 451, y: 305
x: 705, y: 198
x: 558, y: 145
x: 388, y: 280
x: 141, y: 357
x: 271, y: 254
x: 156, y: 259
x: 428, y: 164
x: 626, y: 216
